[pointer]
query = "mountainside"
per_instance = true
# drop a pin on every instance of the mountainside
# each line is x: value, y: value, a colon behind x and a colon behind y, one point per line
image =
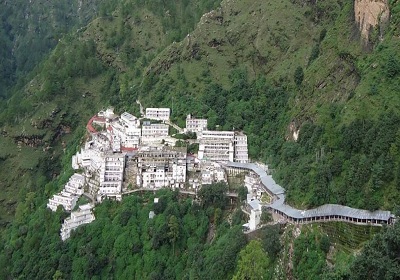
x: 30, y: 29
x: 314, y: 85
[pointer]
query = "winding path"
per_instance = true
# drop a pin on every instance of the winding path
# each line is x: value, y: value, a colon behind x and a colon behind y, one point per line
x: 327, y: 212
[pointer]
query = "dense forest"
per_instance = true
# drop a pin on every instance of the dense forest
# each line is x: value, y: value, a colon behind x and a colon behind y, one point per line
x: 319, y: 104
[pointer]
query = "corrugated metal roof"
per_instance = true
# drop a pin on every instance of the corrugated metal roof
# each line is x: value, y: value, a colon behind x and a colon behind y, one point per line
x: 324, y: 210
x: 266, y: 179
x: 331, y: 210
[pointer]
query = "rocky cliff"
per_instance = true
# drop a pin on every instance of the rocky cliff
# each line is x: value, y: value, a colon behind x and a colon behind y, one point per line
x: 369, y: 14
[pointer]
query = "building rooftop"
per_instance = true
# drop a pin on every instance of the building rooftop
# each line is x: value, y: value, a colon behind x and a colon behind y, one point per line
x: 129, y: 117
x: 266, y: 179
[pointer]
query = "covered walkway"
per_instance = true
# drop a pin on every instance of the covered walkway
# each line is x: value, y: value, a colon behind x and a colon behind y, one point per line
x: 327, y: 212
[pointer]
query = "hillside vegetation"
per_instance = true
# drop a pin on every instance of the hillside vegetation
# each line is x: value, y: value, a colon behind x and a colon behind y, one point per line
x: 278, y: 70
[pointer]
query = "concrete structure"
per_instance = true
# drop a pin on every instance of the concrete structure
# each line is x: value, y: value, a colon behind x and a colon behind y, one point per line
x: 128, y: 130
x: 151, y: 214
x: 68, y: 197
x: 253, y: 184
x: 240, y: 147
x: 65, y: 199
x: 111, y: 175
x: 255, y: 214
x: 103, y: 166
x: 212, y: 172
x: 158, y: 113
x: 154, y: 130
x: 223, y: 146
x: 216, y: 145
x: 162, y: 167
x: 83, y: 216
x: 195, y: 125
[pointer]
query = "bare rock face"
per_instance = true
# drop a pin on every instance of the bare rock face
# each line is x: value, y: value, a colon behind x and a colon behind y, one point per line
x: 369, y: 14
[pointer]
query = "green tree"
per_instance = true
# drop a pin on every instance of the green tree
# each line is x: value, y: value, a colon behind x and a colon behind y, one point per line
x: 266, y: 216
x: 325, y: 243
x: 242, y: 193
x: 270, y: 240
x: 392, y: 66
x: 253, y: 263
x: 173, y: 232
x: 379, y: 259
x: 214, y: 195
x: 298, y: 76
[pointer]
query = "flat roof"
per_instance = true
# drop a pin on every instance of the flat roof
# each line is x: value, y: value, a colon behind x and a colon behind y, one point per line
x: 128, y: 116
x: 158, y: 109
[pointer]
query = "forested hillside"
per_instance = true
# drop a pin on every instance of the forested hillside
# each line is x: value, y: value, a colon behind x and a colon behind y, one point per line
x: 319, y: 104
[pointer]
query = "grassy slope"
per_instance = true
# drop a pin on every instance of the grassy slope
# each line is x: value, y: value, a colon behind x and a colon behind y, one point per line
x: 245, y: 34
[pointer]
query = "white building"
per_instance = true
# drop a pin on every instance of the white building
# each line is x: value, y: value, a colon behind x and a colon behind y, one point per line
x: 91, y: 156
x: 253, y: 184
x: 130, y: 120
x: 206, y: 177
x: 65, y: 199
x: 68, y: 197
x: 240, y: 145
x: 111, y: 175
x: 75, y: 184
x: 127, y: 128
x: 162, y: 167
x: 195, y: 125
x: 212, y: 172
x: 216, y: 145
x: 223, y: 146
x: 255, y: 214
x: 83, y: 216
x: 154, y: 130
x: 158, y: 113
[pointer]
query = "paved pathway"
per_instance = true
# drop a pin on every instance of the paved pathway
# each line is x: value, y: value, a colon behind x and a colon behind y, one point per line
x: 141, y: 107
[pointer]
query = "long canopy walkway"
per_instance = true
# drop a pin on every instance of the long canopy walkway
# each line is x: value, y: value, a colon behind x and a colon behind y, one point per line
x: 327, y: 212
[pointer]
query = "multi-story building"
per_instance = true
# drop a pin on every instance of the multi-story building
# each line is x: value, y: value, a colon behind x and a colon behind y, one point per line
x: 65, y: 199
x: 195, y: 125
x: 154, y: 130
x: 68, y: 197
x: 253, y: 184
x: 222, y: 146
x: 212, y: 172
x: 216, y: 145
x: 240, y: 144
x: 162, y: 166
x: 127, y: 128
x: 91, y: 156
x: 75, y: 184
x: 111, y: 175
x: 83, y: 216
x: 130, y: 120
x: 158, y: 113
x: 255, y: 214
